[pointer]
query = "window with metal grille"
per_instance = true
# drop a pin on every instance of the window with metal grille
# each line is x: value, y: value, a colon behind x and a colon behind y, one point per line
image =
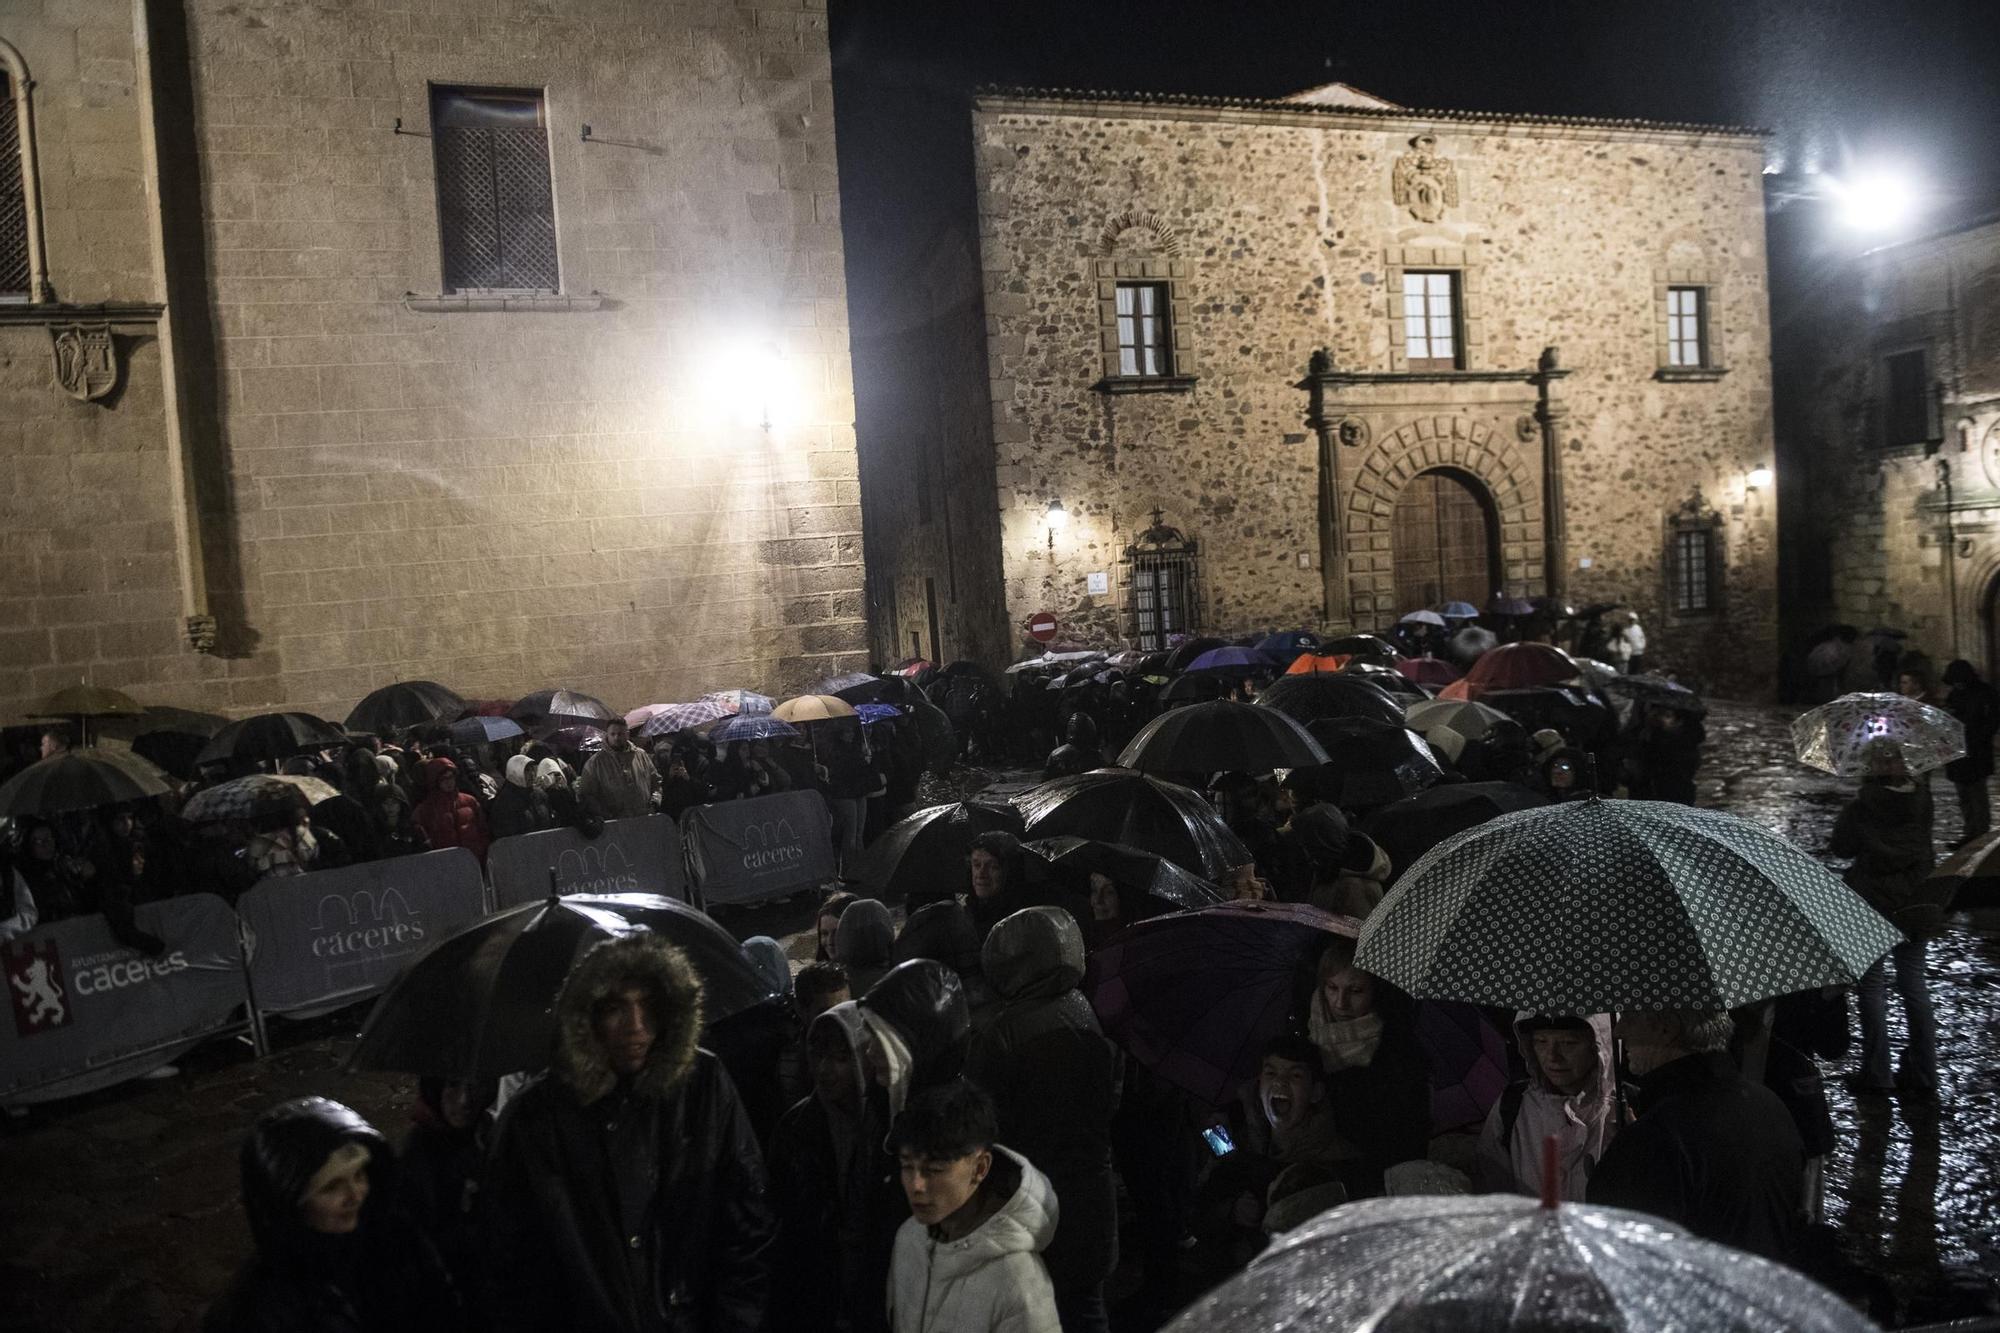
x: 1145, y: 344
x: 1164, y: 567
x: 1687, y: 326
x: 16, y: 273
x: 1692, y: 573
x: 1430, y: 321
x: 496, y: 206
x: 1906, y: 407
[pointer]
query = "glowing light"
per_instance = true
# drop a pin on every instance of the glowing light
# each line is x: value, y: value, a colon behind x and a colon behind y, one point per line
x: 749, y: 382
x: 1058, y: 517
x: 1877, y: 199
x: 1759, y: 478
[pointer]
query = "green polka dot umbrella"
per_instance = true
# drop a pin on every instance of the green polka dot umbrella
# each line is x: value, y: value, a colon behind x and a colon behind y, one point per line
x: 1833, y: 736
x: 1601, y: 906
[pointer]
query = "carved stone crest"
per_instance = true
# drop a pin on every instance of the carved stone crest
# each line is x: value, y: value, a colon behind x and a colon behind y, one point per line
x: 1989, y: 455
x: 86, y: 360
x: 1423, y: 182
x: 1525, y: 428
x: 1352, y: 431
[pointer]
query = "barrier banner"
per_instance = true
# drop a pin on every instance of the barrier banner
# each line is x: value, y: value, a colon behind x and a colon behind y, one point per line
x: 326, y: 938
x: 86, y: 1012
x: 762, y: 848
x: 640, y: 855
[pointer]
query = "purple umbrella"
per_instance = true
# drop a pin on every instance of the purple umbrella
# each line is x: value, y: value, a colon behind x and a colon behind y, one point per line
x: 1468, y: 1063
x: 1235, y: 660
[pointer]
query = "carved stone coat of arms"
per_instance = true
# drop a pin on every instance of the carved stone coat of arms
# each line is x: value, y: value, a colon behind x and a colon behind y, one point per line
x: 86, y: 360
x: 1425, y: 183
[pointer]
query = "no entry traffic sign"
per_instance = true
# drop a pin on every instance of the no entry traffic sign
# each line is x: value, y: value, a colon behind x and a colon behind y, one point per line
x: 1042, y: 627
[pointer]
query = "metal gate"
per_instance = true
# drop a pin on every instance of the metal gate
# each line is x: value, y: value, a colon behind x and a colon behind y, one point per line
x: 1162, y: 572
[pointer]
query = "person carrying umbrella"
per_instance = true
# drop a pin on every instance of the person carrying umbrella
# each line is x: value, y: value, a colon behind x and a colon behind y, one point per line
x: 1665, y: 755
x: 1977, y: 707
x: 627, y: 1189
x: 1887, y: 830
x: 996, y: 869
x: 1079, y: 752
x: 1570, y: 1092
x: 1378, y: 1081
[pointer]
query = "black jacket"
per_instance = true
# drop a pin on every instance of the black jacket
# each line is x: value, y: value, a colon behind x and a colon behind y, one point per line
x: 631, y: 1205
x: 1977, y: 705
x: 1384, y: 1107
x: 1887, y: 830
x: 1712, y: 1151
x: 1054, y: 1079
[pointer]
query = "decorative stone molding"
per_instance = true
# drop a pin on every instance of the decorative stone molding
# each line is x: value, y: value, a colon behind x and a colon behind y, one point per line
x: 20, y: 85
x: 1694, y: 514
x: 1676, y: 270
x: 527, y: 302
x: 1162, y: 237
x: 1177, y: 274
x: 1424, y: 182
x: 86, y: 360
x: 201, y: 633
x: 1468, y: 260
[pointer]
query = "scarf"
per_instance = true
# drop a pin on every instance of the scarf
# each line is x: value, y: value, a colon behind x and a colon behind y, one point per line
x: 895, y: 1054
x: 1347, y: 1045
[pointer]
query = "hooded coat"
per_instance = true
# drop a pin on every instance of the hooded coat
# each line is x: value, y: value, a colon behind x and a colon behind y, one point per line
x: 1887, y: 830
x: 864, y: 942
x: 1977, y: 706
x: 451, y: 819
x: 383, y: 1276
x: 629, y: 1203
x: 990, y: 1281
x: 918, y: 1020
x: 1053, y: 1076
x: 1583, y: 1122
x: 520, y: 807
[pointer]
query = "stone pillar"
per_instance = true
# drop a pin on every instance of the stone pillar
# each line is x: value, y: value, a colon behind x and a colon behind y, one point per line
x: 1332, y: 547
x: 1549, y: 414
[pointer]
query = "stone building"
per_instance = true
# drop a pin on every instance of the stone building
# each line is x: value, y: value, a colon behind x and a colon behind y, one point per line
x: 502, y: 342
x: 1322, y: 361
x: 1892, y: 435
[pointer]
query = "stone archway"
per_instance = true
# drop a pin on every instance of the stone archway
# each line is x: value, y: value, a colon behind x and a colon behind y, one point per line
x: 1462, y: 445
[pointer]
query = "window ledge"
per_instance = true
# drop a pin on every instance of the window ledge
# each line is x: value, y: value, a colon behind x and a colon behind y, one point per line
x: 1690, y: 374
x: 548, y: 302
x: 60, y: 312
x: 1145, y: 384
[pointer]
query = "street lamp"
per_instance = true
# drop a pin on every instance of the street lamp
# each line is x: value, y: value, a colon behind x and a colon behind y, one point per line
x: 1057, y: 518
x: 1758, y: 478
x: 1875, y: 199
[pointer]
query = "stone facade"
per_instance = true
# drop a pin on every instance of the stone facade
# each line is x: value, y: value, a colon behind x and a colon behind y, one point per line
x: 1292, y: 421
x: 644, y: 485
x: 1901, y: 520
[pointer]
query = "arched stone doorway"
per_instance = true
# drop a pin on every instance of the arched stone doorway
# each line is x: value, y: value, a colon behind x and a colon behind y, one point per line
x: 1445, y: 540
x: 1989, y: 627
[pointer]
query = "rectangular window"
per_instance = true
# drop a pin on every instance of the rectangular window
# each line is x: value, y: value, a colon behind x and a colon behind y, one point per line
x: 1687, y: 327
x: 1906, y: 409
x: 1430, y: 321
x: 1162, y: 599
x: 15, y: 271
x: 1145, y: 344
x: 496, y: 205
x: 1693, y: 562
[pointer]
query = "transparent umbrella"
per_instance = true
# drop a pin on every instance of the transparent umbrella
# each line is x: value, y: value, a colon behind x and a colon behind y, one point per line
x: 1833, y: 736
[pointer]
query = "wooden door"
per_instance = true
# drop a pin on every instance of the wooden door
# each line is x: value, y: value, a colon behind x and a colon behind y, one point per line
x: 1444, y: 542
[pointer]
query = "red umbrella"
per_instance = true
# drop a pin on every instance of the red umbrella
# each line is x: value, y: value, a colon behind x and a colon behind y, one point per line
x: 1521, y: 666
x: 1427, y: 670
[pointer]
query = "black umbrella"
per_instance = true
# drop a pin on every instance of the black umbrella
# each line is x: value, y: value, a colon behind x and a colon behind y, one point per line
x: 1312, y: 696
x: 271, y: 737
x: 80, y: 780
x: 172, y: 738
x: 561, y: 708
x: 1369, y: 763
x: 481, y: 1003
x: 1119, y: 805
x: 1969, y: 878
x: 1387, y: 679
x: 1218, y: 737
x: 1579, y: 716
x: 1193, y: 689
x: 925, y: 852
x: 1142, y: 873
x: 1366, y: 646
x: 406, y: 704
x: 1650, y: 691
x: 1414, y: 825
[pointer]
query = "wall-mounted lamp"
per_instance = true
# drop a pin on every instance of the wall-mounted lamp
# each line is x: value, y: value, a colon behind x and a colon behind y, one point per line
x: 1758, y: 478
x: 1057, y: 518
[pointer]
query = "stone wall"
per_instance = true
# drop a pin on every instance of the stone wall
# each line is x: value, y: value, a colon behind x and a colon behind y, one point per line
x: 644, y: 490
x: 1279, y: 233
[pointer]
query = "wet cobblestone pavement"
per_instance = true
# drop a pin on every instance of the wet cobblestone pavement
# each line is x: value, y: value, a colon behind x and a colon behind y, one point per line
x: 118, y: 1211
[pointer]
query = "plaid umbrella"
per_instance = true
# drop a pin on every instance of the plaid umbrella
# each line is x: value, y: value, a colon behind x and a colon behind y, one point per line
x: 257, y: 794
x: 741, y: 701
x: 751, y: 727
x: 670, y: 718
x: 80, y: 780
x: 1221, y: 736
x: 1502, y: 1263
x: 1118, y: 805
x: 1600, y: 906
x: 1833, y: 736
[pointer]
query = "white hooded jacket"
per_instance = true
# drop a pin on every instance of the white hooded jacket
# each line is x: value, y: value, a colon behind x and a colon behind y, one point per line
x: 991, y: 1281
x: 1583, y: 1124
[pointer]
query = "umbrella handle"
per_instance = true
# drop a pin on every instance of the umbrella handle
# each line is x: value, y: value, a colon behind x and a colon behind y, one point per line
x: 554, y: 895
x: 1551, y: 1188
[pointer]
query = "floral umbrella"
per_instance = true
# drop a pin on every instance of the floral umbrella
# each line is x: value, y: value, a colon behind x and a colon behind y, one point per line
x: 1833, y: 736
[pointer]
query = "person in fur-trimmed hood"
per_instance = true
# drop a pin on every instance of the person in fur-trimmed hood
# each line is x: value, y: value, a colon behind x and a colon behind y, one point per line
x: 628, y: 1194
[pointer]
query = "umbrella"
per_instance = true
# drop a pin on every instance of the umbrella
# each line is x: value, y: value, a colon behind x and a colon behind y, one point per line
x: 871, y: 714
x: 1884, y: 632
x: 1657, y: 692
x: 481, y: 1003
x: 683, y: 717
x: 1195, y: 996
x: 852, y: 680
x: 86, y: 701
x: 270, y: 737
x: 1503, y: 605
x: 1502, y: 1263
x: 1233, y: 661
x: 1833, y: 736
x: 1428, y: 670
x: 1468, y: 1063
x: 1520, y: 666
x: 1194, y: 689
x: 1451, y: 724
x: 175, y: 753
x: 406, y: 704
x: 1471, y: 642
x: 1369, y: 763
x: 1599, y: 906
x: 560, y: 708
x: 1581, y: 718
x: 79, y: 780
x: 484, y: 730
x: 1458, y: 611
x: 913, y: 667
x: 1309, y: 664
x: 739, y: 702
x: 1595, y: 609
x: 1130, y: 868
x: 1362, y: 645
x: 813, y: 708
x: 1385, y: 678
x: 1221, y: 736
x: 163, y: 718
x: 578, y: 738
x: 1287, y: 644
x: 1829, y: 658
x: 925, y: 852
x: 259, y: 793
x: 1969, y: 879
x: 1310, y: 698
x: 1183, y: 654
x: 1596, y: 672
x: 1414, y: 825
x: 751, y: 727
x: 1422, y: 618
x: 1118, y: 805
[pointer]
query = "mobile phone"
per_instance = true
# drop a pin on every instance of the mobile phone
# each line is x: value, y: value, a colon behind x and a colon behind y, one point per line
x: 1219, y: 1141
